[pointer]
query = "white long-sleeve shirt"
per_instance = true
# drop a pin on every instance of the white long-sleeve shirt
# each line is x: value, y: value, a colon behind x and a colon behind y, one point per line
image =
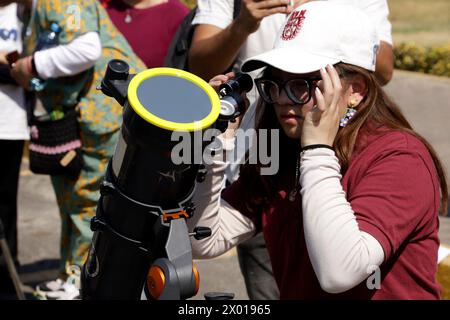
x: 69, y: 59
x: 339, y: 252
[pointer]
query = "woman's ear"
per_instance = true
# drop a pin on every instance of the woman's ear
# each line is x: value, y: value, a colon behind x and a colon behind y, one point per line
x: 357, y: 90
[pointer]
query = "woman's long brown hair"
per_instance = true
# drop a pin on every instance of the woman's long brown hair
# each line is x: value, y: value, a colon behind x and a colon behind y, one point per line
x: 376, y: 109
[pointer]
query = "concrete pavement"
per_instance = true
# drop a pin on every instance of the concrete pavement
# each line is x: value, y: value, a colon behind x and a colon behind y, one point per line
x: 39, y: 230
x: 424, y: 99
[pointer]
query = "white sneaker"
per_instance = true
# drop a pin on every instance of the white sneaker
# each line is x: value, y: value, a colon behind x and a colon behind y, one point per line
x: 59, y: 289
x: 49, y: 286
x: 68, y: 292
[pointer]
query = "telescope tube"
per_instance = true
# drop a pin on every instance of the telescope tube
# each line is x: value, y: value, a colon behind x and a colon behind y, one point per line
x: 141, y: 242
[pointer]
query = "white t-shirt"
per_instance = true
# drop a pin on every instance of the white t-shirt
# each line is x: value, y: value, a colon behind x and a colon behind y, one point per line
x: 220, y: 14
x: 13, y: 116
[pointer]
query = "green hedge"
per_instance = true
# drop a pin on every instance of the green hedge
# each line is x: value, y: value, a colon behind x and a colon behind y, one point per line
x: 413, y: 57
x: 190, y: 3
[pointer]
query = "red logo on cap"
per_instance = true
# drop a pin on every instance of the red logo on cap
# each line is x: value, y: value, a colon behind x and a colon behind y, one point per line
x: 294, y: 25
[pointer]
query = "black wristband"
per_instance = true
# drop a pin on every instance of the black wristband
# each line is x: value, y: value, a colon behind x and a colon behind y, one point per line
x: 315, y: 146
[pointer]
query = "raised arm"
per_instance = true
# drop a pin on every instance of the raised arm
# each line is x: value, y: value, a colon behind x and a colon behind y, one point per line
x: 385, y: 63
x: 216, y: 44
x: 229, y: 227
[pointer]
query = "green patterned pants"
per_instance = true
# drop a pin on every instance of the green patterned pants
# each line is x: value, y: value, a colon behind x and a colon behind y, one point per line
x: 77, y: 199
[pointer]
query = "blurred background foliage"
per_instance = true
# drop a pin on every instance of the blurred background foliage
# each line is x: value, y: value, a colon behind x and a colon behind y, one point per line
x: 190, y: 3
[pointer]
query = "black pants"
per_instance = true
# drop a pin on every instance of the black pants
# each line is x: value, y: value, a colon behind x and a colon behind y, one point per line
x: 256, y: 268
x: 10, y: 160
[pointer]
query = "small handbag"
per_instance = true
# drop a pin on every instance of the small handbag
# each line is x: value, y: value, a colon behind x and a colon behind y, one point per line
x: 55, y: 146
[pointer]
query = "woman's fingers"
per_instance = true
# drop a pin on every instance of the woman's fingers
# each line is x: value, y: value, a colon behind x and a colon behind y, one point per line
x: 220, y: 79
x: 327, y: 86
x: 230, y: 75
x: 270, y: 4
x: 336, y: 84
x: 321, y: 104
x: 322, y: 122
x: 327, y: 93
x: 331, y: 87
x: 215, y: 84
x: 319, y: 108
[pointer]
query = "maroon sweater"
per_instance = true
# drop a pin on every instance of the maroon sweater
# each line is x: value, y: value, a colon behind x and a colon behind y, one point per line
x: 393, y: 189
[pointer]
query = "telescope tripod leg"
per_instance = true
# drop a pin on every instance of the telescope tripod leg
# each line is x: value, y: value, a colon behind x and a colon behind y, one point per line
x: 10, y: 264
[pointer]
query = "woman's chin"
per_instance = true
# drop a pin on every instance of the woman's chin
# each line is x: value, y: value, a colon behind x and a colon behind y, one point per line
x: 293, y: 132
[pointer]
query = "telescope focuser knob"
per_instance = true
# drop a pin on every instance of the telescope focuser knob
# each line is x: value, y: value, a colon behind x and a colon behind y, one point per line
x: 106, y: 188
x: 201, y: 233
x: 190, y: 208
x: 201, y: 174
x: 97, y: 224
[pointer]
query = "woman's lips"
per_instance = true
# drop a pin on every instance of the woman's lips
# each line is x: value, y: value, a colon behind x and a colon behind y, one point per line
x: 290, y: 119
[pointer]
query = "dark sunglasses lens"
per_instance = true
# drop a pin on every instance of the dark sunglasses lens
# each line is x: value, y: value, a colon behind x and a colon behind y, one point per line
x: 268, y: 90
x: 298, y: 90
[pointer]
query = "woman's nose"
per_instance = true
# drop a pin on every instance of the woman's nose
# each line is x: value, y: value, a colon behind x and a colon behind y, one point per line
x: 284, y: 99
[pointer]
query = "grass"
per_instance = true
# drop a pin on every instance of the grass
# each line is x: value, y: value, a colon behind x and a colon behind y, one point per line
x: 426, y: 22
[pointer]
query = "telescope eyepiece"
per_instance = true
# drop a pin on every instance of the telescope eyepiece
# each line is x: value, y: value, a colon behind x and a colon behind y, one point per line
x: 116, y: 80
x: 241, y: 83
x: 232, y: 104
x: 117, y: 70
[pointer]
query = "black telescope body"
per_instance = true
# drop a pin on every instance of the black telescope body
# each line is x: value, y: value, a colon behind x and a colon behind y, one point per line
x: 141, y: 244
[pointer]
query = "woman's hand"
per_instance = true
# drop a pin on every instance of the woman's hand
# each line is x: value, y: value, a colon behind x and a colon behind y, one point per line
x: 253, y: 11
x: 22, y: 71
x: 3, y: 58
x: 321, y: 123
x: 216, y: 82
x: 220, y: 79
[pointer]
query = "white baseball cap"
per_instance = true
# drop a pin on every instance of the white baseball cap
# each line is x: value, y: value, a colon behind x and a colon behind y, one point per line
x: 319, y: 33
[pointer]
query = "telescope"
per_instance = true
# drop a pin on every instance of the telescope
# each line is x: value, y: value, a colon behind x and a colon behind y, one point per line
x: 141, y: 245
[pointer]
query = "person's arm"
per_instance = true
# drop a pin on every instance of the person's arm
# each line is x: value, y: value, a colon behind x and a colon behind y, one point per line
x: 79, y: 43
x: 339, y: 251
x: 378, y: 12
x: 385, y: 63
x: 214, y: 48
x: 218, y: 47
x: 3, y: 60
x: 70, y: 59
x: 341, y: 254
x: 5, y: 75
x: 63, y: 60
x: 229, y: 227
